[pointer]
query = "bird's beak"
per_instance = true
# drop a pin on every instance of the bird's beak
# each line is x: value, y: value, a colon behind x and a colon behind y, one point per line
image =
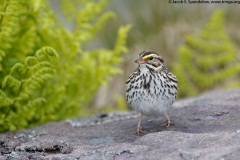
x: 139, y: 61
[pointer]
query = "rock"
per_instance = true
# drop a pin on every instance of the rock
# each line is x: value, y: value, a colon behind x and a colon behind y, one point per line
x: 206, y: 127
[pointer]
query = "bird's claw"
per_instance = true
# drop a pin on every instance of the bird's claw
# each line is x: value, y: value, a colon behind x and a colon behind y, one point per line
x: 139, y: 131
x: 168, y: 123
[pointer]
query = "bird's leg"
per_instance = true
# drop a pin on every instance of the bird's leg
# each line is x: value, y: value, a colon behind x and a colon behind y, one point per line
x: 139, y: 124
x: 168, y: 122
x: 139, y: 130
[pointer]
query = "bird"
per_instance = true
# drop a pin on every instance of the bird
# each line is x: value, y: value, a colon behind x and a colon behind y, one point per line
x: 151, y: 89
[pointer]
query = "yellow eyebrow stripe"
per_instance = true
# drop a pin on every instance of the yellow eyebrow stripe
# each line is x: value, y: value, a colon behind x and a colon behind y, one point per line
x: 150, y: 55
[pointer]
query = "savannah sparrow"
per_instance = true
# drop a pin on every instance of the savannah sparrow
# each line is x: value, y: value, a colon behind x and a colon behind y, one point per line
x: 151, y: 88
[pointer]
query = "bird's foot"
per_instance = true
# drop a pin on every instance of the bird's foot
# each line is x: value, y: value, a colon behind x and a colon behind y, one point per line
x: 139, y: 131
x: 168, y: 123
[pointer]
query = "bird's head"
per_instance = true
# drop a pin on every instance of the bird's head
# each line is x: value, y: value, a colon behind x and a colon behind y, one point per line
x: 151, y: 60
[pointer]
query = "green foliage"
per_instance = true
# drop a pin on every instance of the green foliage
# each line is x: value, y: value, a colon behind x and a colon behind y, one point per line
x: 55, y: 82
x: 21, y: 94
x: 207, y: 60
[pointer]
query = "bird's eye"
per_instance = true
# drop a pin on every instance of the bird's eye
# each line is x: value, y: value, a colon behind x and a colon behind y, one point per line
x: 150, y: 58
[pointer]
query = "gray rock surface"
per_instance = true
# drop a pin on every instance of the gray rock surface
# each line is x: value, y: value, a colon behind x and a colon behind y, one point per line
x: 206, y: 127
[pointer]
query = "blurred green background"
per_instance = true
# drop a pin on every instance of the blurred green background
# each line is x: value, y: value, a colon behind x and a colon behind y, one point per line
x: 65, y: 58
x: 165, y: 28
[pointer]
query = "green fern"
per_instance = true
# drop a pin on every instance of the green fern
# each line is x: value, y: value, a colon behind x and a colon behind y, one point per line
x: 43, y: 88
x: 207, y: 60
x: 21, y: 89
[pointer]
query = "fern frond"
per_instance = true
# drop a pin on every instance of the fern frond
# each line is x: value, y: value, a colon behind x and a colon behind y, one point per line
x: 37, y: 85
x: 47, y: 53
x: 11, y: 82
x: 207, y: 60
x: 5, y: 101
x: 27, y: 41
x: 24, y: 91
x: 18, y: 67
x: 8, y: 27
x: 121, y: 40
